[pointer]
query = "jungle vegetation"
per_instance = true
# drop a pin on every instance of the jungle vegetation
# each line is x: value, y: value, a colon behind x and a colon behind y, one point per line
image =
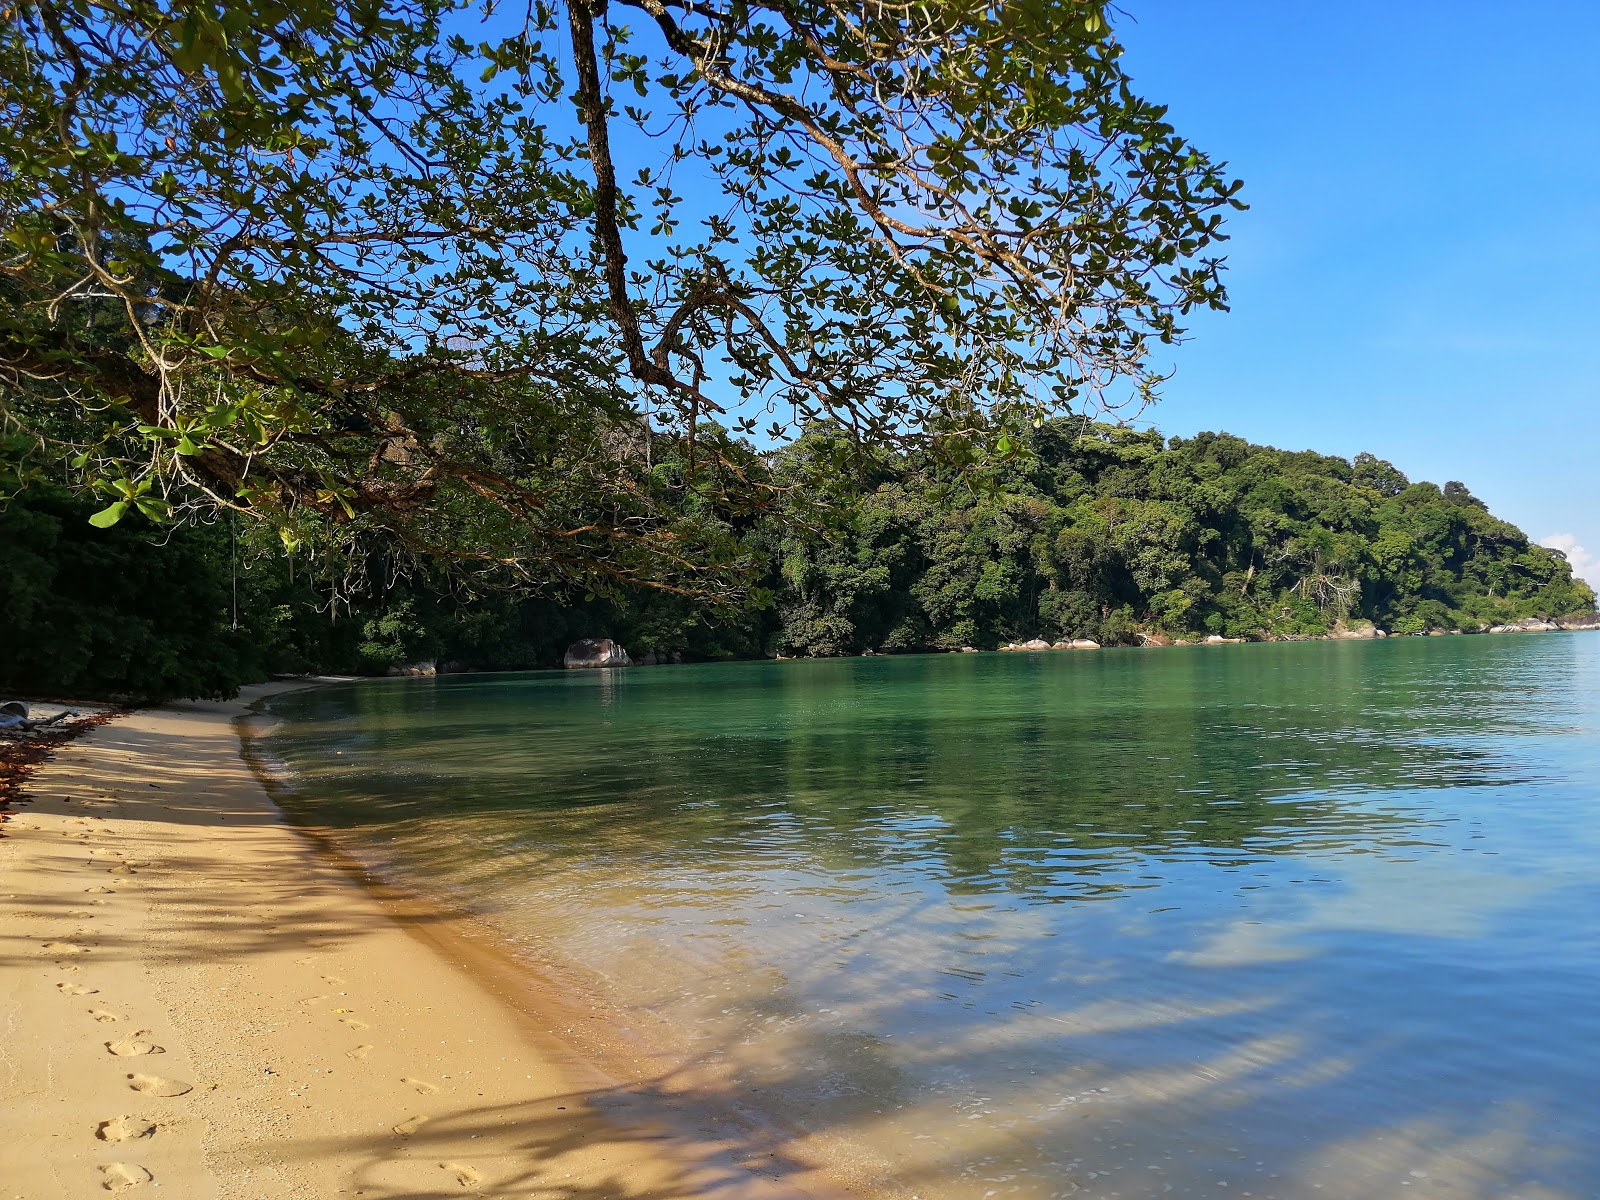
x: 1086, y: 530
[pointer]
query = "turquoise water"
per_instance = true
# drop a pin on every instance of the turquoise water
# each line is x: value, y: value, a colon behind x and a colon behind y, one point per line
x: 1309, y: 920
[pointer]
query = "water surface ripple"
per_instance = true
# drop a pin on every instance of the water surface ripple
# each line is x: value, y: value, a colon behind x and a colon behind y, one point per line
x: 1291, y: 921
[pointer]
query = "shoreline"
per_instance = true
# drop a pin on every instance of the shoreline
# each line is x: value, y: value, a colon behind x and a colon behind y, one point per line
x: 202, y: 996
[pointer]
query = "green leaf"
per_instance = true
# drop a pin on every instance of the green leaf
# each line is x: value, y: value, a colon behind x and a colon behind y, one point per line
x: 107, y: 517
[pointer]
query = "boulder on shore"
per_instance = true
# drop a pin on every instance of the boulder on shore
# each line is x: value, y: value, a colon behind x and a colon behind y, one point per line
x: 1084, y: 644
x: 426, y: 667
x: 595, y: 652
x: 1531, y: 625
x: 1359, y: 631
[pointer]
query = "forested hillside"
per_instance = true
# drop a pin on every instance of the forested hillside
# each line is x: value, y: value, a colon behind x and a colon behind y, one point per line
x: 1109, y: 533
x: 1089, y: 531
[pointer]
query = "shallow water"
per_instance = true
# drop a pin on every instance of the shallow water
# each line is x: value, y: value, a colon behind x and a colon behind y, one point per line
x: 1311, y: 920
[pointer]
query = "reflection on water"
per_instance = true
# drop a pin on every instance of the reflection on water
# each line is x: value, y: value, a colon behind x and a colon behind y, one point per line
x: 1311, y: 920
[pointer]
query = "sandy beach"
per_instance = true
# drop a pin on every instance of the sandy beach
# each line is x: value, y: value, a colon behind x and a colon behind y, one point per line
x: 198, y: 998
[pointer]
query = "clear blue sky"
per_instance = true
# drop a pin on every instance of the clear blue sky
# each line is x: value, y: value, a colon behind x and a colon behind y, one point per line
x: 1419, y: 272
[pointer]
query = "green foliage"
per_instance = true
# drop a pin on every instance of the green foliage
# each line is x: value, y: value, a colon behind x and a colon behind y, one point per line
x: 91, y: 612
x: 373, y: 264
x: 1086, y: 531
x: 1112, y: 534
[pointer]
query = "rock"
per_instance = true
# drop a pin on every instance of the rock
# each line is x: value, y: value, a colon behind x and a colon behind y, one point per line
x: 1579, y: 621
x: 1035, y: 644
x: 1216, y: 639
x: 1084, y: 644
x: 1061, y: 645
x: 591, y: 652
x: 425, y: 667
x: 1360, y: 631
x: 969, y: 650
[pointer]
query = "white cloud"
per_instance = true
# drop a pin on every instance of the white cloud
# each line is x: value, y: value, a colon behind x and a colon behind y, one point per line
x: 1584, y: 564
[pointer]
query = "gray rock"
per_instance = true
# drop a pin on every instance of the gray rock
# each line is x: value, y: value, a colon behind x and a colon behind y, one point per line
x: 1359, y: 632
x: 425, y: 667
x: 593, y: 652
x: 1084, y: 644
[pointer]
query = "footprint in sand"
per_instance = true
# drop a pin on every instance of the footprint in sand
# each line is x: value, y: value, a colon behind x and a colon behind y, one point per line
x: 410, y: 1125
x: 62, y: 949
x: 119, y: 1177
x: 155, y: 1085
x: 333, y: 980
x: 421, y: 1086
x: 125, y: 1128
x: 360, y: 1051
x: 354, y: 1023
x: 134, y: 1044
x: 105, y: 1016
x: 464, y: 1175
x: 76, y: 989
x: 101, y: 888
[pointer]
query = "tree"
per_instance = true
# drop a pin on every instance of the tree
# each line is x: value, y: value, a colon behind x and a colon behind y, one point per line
x: 373, y: 265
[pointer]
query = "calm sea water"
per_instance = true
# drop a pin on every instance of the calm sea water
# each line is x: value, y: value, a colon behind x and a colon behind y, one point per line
x: 1312, y: 920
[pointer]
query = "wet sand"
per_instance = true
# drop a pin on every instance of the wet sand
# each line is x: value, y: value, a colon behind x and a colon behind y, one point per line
x: 199, y: 997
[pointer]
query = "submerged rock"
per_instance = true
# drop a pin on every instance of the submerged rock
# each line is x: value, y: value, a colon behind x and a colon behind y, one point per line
x: 595, y: 652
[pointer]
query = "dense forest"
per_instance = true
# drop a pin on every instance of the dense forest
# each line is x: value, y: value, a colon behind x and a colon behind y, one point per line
x: 1086, y: 531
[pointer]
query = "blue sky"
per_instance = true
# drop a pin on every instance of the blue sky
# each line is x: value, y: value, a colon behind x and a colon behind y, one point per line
x: 1417, y: 275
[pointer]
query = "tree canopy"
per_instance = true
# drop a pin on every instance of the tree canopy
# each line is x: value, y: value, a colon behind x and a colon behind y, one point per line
x: 459, y: 278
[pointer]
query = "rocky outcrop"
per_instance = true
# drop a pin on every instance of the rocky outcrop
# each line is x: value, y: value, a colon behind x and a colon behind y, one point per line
x: 1358, y: 631
x: 595, y: 652
x: 1216, y: 639
x: 1579, y: 621
x: 426, y: 667
x: 1041, y: 644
